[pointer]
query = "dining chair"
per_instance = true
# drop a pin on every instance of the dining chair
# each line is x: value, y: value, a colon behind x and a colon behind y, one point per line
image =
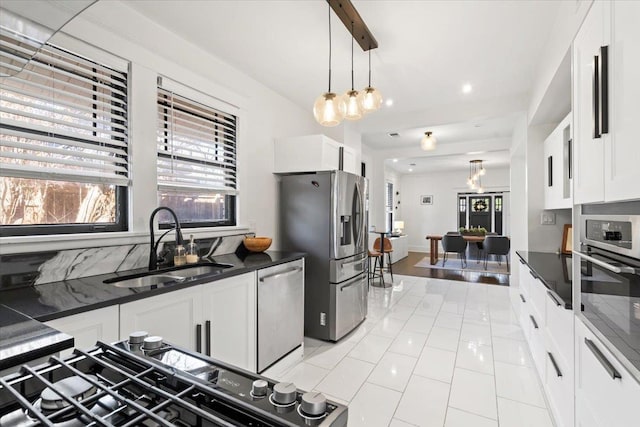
x: 457, y: 244
x: 386, y: 248
x: 499, y: 246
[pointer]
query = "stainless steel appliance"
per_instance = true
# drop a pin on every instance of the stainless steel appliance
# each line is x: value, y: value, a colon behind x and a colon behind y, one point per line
x: 324, y: 214
x: 609, y: 293
x: 280, y: 312
x: 145, y: 381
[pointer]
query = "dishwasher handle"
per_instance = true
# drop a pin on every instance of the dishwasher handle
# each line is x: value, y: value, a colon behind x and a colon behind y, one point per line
x: 285, y: 273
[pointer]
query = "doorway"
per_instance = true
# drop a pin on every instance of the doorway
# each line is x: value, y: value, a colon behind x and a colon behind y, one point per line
x: 482, y: 210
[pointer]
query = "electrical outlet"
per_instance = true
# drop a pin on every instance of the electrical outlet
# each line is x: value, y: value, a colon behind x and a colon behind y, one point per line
x: 547, y: 218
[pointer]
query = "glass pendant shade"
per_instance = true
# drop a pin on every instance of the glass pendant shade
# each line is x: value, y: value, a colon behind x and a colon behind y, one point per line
x: 352, y: 107
x: 428, y: 142
x: 370, y: 99
x: 329, y: 109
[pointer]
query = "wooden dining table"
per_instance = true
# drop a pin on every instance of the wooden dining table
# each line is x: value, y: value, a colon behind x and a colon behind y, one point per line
x: 433, y: 251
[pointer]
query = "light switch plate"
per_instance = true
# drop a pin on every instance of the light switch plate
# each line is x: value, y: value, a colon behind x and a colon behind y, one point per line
x: 547, y: 218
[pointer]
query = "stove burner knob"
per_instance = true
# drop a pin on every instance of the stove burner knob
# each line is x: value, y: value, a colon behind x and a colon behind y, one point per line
x: 138, y: 337
x: 284, y: 393
x: 313, y: 404
x: 152, y: 343
x: 259, y: 388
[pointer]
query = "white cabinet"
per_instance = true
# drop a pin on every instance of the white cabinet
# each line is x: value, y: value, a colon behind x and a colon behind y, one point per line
x: 606, y: 393
x: 229, y: 315
x: 312, y: 153
x: 605, y: 103
x: 548, y: 328
x: 89, y: 327
x: 173, y: 315
x: 558, y: 174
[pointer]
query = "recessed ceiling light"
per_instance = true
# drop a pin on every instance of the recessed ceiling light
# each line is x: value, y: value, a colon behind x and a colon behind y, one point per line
x: 466, y: 88
x: 388, y: 102
x: 475, y: 152
x: 410, y: 169
x: 395, y: 160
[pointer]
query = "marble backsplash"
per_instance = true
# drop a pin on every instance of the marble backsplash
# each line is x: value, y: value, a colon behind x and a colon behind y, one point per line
x: 54, y: 266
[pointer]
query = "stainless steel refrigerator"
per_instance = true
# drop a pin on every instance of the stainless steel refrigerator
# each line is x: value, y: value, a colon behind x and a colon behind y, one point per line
x: 324, y: 214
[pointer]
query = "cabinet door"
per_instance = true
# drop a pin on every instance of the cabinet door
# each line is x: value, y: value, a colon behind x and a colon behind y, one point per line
x: 589, y: 151
x: 230, y: 309
x: 174, y: 316
x: 622, y: 152
x: 89, y: 327
x: 611, y: 401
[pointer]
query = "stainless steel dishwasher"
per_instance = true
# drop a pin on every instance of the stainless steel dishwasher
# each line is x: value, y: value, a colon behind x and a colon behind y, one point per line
x: 280, y: 311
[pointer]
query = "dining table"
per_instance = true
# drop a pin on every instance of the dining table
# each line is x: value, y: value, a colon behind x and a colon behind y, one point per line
x: 434, y: 239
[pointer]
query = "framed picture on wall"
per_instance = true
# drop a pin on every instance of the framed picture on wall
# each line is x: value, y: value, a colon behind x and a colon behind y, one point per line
x: 426, y: 200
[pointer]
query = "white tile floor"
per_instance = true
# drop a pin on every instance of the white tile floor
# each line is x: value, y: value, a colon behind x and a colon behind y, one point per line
x: 431, y: 353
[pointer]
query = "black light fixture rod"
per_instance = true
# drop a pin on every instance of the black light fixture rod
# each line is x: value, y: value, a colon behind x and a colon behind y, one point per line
x: 369, y: 67
x: 352, y: 57
x: 350, y: 16
x: 329, y: 49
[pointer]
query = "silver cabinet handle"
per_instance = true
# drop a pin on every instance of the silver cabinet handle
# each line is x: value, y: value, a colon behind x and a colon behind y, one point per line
x: 285, y: 273
x: 534, y: 275
x: 522, y: 298
x: 613, y: 268
x: 555, y: 365
x: 603, y: 360
x: 533, y: 320
x: 553, y: 297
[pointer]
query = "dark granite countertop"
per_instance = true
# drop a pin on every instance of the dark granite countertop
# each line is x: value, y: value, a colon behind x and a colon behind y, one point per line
x: 23, y: 339
x: 59, y: 299
x: 554, y: 271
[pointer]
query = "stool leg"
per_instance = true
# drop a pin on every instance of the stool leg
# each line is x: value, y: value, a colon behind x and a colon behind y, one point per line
x: 390, y: 267
x: 381, y: 270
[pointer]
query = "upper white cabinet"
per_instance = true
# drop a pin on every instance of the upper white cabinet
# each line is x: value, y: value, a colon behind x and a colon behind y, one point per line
x: 89, y: 327
x: 606, y: 89
x: 558, y: 173
x: 312, y: 153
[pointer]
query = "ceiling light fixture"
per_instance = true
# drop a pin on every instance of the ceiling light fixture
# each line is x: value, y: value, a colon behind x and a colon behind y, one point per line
x: 395, y: 160
x: 467, y: 88
x: 329, y: 108
x: 388, y: 102
x: 476, y: 172
x: 350, y: 98
x: 370, y: 98
x: 428, y: 142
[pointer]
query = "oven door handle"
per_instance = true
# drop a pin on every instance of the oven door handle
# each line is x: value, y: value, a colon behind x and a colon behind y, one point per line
x: 623, y: 269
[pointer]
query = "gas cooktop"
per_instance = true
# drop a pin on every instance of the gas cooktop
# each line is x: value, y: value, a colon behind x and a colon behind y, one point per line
x: 145, y: 381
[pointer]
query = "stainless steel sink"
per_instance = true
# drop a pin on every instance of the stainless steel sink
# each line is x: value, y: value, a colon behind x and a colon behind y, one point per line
x: 196, y: 270
x: 139, y: 282
x: 180, y: 274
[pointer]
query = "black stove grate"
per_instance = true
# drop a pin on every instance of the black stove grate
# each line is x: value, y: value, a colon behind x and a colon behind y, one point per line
x: 145, y: 394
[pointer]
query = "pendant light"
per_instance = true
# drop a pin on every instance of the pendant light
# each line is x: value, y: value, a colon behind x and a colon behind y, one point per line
x: 476, y: 171
x: 329, y: 108
x: 353, y: 108
x: 428, y: 142
x: 370, y: 98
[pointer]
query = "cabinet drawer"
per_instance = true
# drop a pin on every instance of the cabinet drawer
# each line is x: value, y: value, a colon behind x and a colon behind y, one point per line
x: 558, y: 384
x: 602, y: 384
x: 524, y: 278
x: 537, y: 344
x: 559, y: 323
x: 538, y: 300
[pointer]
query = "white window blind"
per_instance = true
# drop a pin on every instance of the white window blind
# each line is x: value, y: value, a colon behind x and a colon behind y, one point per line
x: 62, y: 118
x: 196, y: 145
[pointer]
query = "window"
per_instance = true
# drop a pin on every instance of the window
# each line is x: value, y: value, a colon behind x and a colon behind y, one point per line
x: 196, y: 162
x: 498, y: 201
x: 388, y: 205
x: 63, y: 143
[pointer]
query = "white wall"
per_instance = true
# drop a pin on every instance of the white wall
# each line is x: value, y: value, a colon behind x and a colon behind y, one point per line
x: 442, y: 215
x: 153, y: 50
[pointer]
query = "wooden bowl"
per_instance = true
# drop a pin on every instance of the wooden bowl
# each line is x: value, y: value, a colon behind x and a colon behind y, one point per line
x: 257, y: 244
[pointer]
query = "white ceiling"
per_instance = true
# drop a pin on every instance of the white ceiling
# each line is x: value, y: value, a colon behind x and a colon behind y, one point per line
x: 420, y: 165
x: 427, y: 51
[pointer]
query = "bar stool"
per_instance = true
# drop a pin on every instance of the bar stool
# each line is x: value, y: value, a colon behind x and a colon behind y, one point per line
x: 372, y: 275
x: 386, y: 248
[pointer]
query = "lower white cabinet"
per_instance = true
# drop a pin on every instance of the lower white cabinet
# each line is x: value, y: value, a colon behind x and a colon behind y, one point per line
x: 173, y: 316
x: 89, y: 327
x: 229, y: 317
x: 606, y: 393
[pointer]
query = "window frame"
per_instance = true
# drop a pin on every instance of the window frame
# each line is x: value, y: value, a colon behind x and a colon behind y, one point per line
x: 122, y: 192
